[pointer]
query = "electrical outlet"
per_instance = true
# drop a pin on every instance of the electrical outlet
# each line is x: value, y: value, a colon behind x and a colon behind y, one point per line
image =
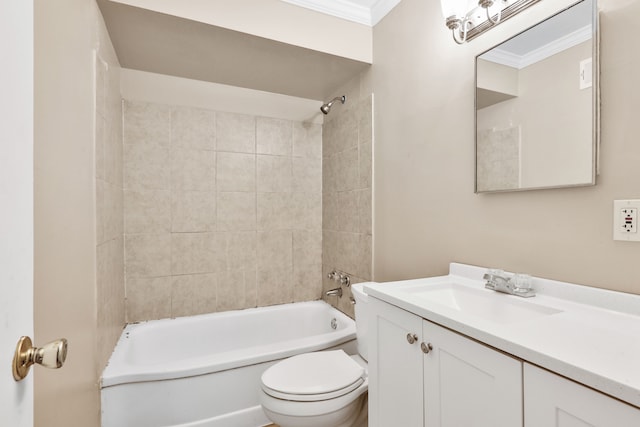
x: 625, y: 220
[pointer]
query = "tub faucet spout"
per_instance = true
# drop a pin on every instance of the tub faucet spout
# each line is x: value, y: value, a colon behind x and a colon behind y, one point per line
x: 336, y: 291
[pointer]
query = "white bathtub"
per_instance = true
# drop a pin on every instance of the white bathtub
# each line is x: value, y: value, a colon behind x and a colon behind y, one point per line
x: 205, y: 370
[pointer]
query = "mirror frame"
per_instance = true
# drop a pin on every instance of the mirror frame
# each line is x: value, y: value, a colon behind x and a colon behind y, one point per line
x: 595, y: 106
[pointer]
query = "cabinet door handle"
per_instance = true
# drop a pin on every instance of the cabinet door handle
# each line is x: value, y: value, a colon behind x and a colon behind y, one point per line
x: 411, y: 338
x: 426, y: 348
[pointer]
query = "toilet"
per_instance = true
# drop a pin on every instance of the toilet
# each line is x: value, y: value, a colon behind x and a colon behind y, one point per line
x: 321, y: 389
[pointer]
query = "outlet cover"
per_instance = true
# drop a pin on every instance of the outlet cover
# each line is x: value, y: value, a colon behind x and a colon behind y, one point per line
x: 625, y: 220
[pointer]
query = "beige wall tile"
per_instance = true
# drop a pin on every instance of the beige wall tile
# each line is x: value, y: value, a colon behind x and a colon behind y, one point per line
x: 275, y: 285
x: 274, y: 136
x: 235, y: 133
x: 193, y: 253
x: 148, y: 298
x: 307, y: 282
x: 193, y: 170
x: 342, y: 134
x: 147, y: 166
x: 236, y: 172
x: 110, y: 289
x: 193, y: 211
x: 351, y: 253
x: 147, y: 211
x: 193, y: 294
x: 236, y: 211
x: 113, y: 212
x: 307, y: 248
x: 193, y: 128
x: 341, y: 212
x: 306, y: 211
x: 147, y: 123
x: 346, y: 172
x: 231, y: 290
x: 274, y: 250
x: 274, y: 173
x: 365, y: 211
x: 250, y: 288
x: 331, y: 249
x: 307, y: 140
x: 113, y: 147
x: 365, y: 165
x: 365, y: 119
x: 241, y: 250
x: 274, y: 211
x: 366, y: 257
x: 306, y: 174
x: 330, y: 174
x: 148, y: 255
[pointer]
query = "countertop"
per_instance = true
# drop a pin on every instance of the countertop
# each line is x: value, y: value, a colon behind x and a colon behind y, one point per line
x: 593, y: 339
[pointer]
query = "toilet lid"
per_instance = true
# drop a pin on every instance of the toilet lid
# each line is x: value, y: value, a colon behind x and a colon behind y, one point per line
x: 311, y: 374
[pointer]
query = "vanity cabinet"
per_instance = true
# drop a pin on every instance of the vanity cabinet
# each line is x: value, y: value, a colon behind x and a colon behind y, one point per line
x: 554, y: 401
x: 395, y: 366
x: 422, y: 374
x: 467, y: 383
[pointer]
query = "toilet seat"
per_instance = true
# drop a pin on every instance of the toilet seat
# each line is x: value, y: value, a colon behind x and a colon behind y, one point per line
x: 313, y: 377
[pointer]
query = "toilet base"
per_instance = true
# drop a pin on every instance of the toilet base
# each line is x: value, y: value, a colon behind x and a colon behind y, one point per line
x: 354, y: 414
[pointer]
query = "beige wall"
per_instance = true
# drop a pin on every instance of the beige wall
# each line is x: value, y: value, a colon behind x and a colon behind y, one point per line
x: 347, y: 143
x: 426, y: 214
x: 222, y: 210
x: 67, y: 35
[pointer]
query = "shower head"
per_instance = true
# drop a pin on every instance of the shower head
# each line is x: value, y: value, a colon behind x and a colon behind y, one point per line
x: 327, y: 107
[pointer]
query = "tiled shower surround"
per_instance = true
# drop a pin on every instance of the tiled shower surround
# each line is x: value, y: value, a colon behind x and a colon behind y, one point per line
x: 347, y: 195
x: 110, y: 292
x: 221, y: 211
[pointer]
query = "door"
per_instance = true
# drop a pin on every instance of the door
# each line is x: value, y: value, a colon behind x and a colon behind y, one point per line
x: 553, y: 401
x: 395, y: 366
x: 467, y: 383
x: 16, y: 204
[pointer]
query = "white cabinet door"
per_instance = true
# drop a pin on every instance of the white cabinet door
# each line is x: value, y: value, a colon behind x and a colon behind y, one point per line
x: 553, y: 401
x: 395, y: 366
x: 469, y: 384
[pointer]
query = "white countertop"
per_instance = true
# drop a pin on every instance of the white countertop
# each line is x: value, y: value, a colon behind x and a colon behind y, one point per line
x: 594, y: 339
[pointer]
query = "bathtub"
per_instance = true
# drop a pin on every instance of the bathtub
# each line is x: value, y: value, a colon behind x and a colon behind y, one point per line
x: 205, y: 370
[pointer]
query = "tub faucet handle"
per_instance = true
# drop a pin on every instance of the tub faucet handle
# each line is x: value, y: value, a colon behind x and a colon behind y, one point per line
x: 345, y: 280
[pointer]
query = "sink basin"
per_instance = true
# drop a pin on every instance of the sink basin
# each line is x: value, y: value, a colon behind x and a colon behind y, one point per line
x: 489, y: 305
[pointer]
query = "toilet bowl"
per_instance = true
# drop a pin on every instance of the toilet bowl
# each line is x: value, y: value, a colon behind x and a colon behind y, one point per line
x: 322, y: 389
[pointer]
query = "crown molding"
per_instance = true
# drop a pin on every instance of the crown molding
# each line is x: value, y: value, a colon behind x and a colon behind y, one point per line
x: 502, y: 57
x: 381, y: 8
x: 338, y: 8
x: 348, y: 10
x: 521, y: 61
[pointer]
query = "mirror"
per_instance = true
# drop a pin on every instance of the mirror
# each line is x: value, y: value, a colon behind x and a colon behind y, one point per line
x: 536, y: 110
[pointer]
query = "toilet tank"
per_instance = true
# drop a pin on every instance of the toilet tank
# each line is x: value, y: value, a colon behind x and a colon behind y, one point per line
x: 362, y: 315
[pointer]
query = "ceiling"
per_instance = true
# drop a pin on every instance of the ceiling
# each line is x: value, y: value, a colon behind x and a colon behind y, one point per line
x: 150, y: 41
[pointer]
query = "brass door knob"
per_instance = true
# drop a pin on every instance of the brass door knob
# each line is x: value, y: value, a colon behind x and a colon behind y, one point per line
x: 51, y: 355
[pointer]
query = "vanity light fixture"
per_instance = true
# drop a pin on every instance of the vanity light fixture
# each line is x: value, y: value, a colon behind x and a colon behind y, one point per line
x: 469, y: 18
